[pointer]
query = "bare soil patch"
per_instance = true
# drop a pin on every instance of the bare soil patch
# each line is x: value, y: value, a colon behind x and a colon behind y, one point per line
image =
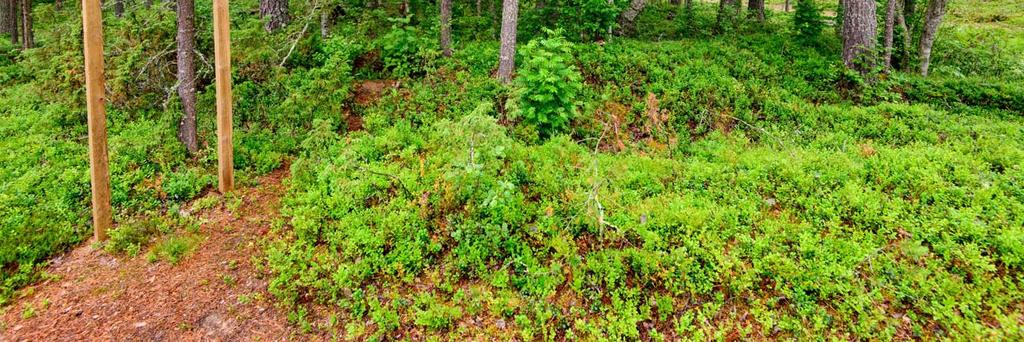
x: 214, y: 293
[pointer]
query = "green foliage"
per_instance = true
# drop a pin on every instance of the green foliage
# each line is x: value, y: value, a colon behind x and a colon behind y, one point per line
x: 548, y: 84
x: 807, y: 22
x: 186, y: 185
x: 588, y: 19
x: 173, y: 248
x: 712, y: 187
x: 744, y: 187
x: 406, y: 51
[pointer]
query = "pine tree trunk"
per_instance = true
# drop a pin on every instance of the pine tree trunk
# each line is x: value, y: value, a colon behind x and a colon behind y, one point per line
x: 627, y: 20
x: 27, y: 33
x: 755, y: 9
x: 187, y: 74
x: 275, y: 13
x: 932, y: 19
x: 860, y: 29
x: 787, y: 6
x: 507, y: 55
x: 890, y: 18
x: 446, y: 28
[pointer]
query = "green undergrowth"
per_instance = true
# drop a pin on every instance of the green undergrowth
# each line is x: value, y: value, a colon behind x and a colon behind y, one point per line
x: 881, y: 213
x: 705, y: 189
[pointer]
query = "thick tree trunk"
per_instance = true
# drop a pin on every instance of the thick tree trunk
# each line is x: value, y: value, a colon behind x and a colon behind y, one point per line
x: 755, y: 9
x: 9, y: 19
x: 627, y: 20
x: 187, y: 74
x: 507, y: 55
x: 932, y: 19
x: 446, y: 28
x: 275, y: 14
x: 860, y: 31
x: 890, y: 18
x: 28, y: 40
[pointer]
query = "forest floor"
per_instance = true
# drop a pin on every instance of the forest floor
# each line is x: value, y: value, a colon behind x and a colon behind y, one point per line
x: 214, y: 293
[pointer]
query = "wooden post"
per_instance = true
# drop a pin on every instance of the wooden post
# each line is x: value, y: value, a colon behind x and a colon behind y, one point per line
x: 222, y: 57
x: 92, y: 33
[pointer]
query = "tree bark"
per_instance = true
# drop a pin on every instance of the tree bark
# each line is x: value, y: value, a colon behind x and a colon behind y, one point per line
x: 507, y: 55
x: 890, y: 18
x: 932, y: 19
x: 275, y: 12
x: 860, y: 29
x: 755, y: 9
x: 787, y: 6
x: 325, y: 22
x: 9, y: 19
x: 187, y: 74
x: 907, y: 40
x: 27, y: 32
x: 446, y: 28
x: 627, y: 20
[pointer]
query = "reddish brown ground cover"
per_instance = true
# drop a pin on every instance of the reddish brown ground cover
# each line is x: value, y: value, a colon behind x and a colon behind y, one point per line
x: 214, y: 293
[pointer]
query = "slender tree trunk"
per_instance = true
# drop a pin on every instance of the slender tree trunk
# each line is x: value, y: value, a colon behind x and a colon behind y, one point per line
x: 860, y: 29
x: 787, y: 6
x: 446, y: 28
x: 627, y: 20
x: 507, y: 55
x: 755, y: 9
x: 325, y: 22
x: 27, y: 32
x: 907, y: 41
x: 890, y: 18
x: 58, y: 4
x: 187, y: 74
x: 118, y: 8
x: 932, y: 19
x: 275, y: 14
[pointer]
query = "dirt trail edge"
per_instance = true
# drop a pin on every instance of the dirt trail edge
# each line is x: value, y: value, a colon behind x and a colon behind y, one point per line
x: 214, y: 293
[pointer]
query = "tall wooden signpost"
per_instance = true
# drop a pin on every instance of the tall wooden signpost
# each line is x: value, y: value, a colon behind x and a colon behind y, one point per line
x: 92, y: 33
x: 222, y: 57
